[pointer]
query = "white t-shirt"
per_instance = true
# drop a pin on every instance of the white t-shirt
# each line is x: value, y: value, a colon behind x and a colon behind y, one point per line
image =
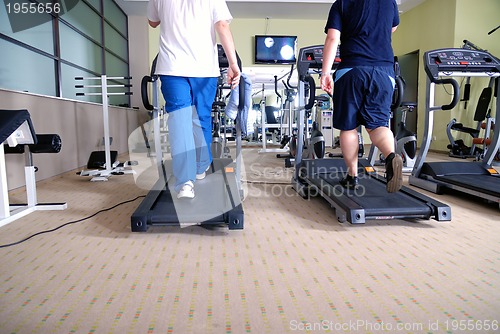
x: 188, y: 45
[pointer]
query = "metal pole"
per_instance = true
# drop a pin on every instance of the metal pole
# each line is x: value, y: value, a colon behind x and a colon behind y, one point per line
x: 105, y: 112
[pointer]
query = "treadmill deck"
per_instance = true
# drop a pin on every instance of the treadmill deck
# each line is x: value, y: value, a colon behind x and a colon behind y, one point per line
x: 370, y: 200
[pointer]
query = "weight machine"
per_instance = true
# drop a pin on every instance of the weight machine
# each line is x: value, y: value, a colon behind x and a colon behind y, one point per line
x: 17, y: 135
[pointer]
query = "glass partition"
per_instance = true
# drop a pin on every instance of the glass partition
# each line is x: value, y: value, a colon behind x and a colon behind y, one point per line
x: 25, y: 70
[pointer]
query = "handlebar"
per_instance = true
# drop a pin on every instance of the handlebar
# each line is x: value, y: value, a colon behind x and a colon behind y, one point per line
x: 456, y: 92
x: 276, y: 87
x: 144, y: 92
x: 312, y: 92
x: 398, y: 93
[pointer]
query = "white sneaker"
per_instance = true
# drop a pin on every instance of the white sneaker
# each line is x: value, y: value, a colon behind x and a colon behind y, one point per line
x: 202, y: 175
x: 187, y: 190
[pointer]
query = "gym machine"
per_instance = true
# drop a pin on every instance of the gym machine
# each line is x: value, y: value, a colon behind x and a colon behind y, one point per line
x: 370, y: 200
x: 18, y: 136
x: 219, y: 195
x: 457, y: 147
x: 477, y: 178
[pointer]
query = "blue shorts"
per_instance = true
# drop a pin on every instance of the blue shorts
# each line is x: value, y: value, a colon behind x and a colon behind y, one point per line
x: 363, y: 96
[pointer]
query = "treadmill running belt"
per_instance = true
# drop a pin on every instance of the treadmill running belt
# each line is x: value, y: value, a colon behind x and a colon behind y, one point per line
x: 487, y: 184
x: 217, y: 201
x: 373, y: 198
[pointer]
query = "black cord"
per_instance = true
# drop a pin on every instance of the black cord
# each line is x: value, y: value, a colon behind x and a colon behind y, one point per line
x: 69, y: 223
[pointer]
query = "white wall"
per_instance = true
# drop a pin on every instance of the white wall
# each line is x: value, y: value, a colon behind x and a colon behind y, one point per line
x: 80, y: 126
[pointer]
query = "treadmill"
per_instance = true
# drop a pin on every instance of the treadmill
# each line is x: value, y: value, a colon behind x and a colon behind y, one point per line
x: 219, y: 195
x: 322, y: 176
x: 477, y: 178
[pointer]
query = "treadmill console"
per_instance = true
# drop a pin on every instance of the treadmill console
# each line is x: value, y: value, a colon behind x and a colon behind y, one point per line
x: 312, y: 57
x: 459, y: 60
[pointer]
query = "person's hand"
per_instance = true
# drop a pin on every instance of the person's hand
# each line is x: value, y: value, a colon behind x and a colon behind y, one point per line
x: 233, y: 76
x: 327, y: 84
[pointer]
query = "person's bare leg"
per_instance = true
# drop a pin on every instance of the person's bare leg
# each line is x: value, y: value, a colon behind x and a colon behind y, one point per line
x: 349, y: 146
x: 383, y: 138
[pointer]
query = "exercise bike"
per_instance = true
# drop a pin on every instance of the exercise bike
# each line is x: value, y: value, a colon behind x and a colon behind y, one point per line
x: 313, y: 144
x: 220, y: 127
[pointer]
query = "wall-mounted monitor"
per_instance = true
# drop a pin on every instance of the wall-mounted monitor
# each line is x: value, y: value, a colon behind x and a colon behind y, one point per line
x: 273, y: 49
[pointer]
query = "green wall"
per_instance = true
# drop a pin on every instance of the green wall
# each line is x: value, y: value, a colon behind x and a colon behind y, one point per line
x: 309, y: 32
x: 474, y: 20
x: 428, y: 26
x: 439, y: 24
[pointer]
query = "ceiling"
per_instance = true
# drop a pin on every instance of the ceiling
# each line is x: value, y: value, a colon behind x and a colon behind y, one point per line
x: 262, y: 9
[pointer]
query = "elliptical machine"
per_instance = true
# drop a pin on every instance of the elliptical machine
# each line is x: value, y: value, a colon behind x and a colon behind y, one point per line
x: 314, y: 144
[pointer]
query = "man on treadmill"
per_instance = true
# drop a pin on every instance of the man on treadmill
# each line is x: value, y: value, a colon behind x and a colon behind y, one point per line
x: 364, y: 81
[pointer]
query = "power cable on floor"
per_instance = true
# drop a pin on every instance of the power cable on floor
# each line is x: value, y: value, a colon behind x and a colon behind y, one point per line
x: 71, y: 222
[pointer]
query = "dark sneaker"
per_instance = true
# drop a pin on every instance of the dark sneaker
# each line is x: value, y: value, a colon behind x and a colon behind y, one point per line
x: 350, y: 182
x: 394, y: 172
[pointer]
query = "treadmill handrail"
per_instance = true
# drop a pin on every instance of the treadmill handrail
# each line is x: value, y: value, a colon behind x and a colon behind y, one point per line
x: 312, y: 92
x: 456, y: 92
x: 144, y: 92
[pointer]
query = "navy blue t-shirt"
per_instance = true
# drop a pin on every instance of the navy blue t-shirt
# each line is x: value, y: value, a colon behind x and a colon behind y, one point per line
x: 365, y: 27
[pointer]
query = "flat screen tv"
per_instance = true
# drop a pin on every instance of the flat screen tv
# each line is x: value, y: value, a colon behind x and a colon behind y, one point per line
x: 273, y: 49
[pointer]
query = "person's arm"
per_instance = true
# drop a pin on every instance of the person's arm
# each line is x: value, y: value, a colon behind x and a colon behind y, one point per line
x: 332, y: 41
x: 152, y: 14
x: 154, y: 24
x: 394, y: 28
x: 226, y: 39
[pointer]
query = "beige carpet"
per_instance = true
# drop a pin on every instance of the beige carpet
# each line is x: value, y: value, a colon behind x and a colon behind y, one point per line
x: 293, y: 268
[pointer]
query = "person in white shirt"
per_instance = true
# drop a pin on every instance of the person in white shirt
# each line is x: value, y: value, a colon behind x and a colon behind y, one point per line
x: 188, y: 69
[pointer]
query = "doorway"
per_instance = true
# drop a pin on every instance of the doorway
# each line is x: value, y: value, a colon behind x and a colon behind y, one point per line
x: 408, y: 64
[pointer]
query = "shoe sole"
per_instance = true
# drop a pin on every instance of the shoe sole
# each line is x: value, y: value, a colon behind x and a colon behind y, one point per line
x: 349, y: 186
x: 203, y: 175
x: 397, y: 178
x: 185, y: 196
x: 188, y: 193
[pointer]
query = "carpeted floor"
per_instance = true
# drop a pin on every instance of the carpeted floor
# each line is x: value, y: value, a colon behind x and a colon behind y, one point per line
x: 293, y: 268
